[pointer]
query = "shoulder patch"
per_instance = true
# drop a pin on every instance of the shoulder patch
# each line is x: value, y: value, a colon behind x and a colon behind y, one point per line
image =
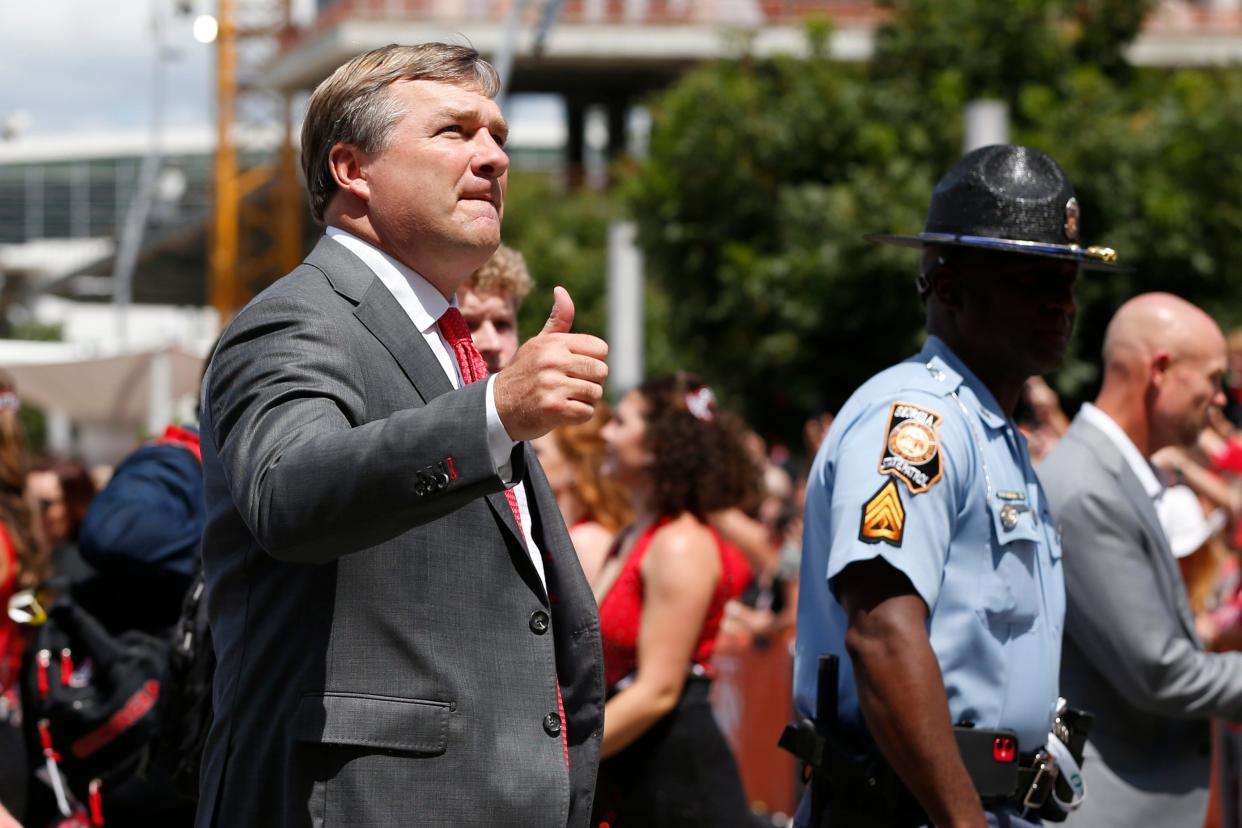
x: 883, y: 517
x: 912, y: 446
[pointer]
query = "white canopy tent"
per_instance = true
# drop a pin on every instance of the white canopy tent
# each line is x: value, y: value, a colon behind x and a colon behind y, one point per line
x: 115, y: 400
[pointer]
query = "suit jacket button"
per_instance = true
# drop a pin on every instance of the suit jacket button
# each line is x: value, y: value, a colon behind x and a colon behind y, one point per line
x: 539, y: 622
x: 552, y: 724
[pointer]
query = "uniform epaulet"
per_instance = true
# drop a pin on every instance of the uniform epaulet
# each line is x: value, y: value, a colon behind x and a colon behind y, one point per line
x: 944, y: 380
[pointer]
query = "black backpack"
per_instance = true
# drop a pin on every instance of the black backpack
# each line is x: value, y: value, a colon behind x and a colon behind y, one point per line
x: 89, y: 705
x: 185, y: 708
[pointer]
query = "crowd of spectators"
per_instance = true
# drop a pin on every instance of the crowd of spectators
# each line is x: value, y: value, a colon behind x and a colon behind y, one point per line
x: 604, y: 482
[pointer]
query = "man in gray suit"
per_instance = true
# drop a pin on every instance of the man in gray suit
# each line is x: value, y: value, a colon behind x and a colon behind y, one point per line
x: 403, y: 631
x: 1131, y: 655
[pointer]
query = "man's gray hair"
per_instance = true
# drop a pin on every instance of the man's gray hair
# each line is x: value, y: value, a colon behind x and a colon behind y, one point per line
x: 355, y: 105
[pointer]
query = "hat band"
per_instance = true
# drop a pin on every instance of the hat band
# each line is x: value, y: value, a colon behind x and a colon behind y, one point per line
x: 1103, y: 254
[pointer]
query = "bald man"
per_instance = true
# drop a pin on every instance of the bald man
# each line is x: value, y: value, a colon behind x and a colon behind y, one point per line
x: 1130, y: 653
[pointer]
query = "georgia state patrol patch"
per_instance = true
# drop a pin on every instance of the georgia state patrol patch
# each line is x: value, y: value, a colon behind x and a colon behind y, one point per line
x: 912, y: 448
x: 883, y: 517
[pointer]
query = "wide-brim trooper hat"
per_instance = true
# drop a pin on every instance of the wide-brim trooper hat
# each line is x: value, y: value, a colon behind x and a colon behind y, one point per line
x: 1009, y: 199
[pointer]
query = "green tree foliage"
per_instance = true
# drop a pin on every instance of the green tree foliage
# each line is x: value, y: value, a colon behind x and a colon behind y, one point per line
x: 1158, y: 173
x: 763, y: 174
x: 761, y: 178
x: 996, y: 50
x: 563, y: 235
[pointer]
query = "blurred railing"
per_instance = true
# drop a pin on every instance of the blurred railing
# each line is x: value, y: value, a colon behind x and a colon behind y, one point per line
x: 605, y: 12
x: 1191, y: 17
x: 1171, y: 20
x: 1196, y: 18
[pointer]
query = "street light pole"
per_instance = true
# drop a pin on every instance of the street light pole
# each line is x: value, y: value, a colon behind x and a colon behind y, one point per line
x: 129, y: 241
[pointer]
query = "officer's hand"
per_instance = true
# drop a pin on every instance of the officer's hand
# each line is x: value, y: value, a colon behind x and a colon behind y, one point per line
x: 555, y: 379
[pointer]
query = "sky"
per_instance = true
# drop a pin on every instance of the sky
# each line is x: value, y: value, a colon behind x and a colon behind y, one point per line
x: 72, y: 66
x: 69, y: 67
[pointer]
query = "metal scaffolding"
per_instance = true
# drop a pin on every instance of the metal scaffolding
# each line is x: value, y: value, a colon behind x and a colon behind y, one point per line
x: 256, y: 231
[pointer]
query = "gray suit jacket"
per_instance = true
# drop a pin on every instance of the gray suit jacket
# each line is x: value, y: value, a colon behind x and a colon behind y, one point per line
x: 387, y: 653
x: 1131, y: 655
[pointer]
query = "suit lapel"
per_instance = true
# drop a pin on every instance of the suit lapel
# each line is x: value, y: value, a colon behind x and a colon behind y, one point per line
x: 380, y: 312
x: 1165, y: 559
x: 543, y: 504
x: 500, y: 505
x: 1136, y: 496
x: 576, y: 606
x: 387, y: 321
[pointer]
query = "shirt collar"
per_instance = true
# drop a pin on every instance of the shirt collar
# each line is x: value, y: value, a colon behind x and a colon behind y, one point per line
x: 428, y: 304
x: 935, y: 349
x: 1133, y: 457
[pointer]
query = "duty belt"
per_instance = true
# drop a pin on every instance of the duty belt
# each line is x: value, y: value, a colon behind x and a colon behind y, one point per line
x: 860, y: 788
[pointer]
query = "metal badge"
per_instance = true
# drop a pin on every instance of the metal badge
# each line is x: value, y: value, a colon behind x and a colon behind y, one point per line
x: 1071, y: 219
x: 1009, y: 516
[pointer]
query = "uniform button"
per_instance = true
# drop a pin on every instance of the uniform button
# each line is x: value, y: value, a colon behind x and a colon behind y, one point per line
x: 539, y: 622
x: 552, y: 724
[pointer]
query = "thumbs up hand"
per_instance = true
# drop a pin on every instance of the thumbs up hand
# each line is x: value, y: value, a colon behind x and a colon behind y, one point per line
x: 555, y: 379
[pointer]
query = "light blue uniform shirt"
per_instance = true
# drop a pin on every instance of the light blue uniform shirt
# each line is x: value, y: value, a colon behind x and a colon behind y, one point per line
x: 923, y: 469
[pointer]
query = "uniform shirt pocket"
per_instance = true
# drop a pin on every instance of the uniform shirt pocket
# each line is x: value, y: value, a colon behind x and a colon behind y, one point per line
x: 1009, y: 589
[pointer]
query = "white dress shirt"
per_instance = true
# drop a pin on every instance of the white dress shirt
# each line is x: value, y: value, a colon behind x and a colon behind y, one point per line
x: 424, y: 305
x: 1134, y: 458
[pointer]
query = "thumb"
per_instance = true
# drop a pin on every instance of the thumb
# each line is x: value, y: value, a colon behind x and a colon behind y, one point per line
x: 562, y: 317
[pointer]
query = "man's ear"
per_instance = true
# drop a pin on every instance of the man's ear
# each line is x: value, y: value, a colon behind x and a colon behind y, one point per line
x: 347, y: 164
x: 1158, y: 368
x: 947, y: 288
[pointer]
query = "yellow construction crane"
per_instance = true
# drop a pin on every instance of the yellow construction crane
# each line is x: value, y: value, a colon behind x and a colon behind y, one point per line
x: 256, y: 228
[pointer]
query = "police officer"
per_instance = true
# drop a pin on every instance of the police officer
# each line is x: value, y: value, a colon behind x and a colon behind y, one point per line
x: 931, y: 566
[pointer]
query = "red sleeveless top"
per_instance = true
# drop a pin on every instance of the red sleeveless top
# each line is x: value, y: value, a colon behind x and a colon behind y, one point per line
x: 620, y: 612
x: 11, y: 640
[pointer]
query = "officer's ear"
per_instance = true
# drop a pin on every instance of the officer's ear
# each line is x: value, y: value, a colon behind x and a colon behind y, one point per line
x: 947, y: 284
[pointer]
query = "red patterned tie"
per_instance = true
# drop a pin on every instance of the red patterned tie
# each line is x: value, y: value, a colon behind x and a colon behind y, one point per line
x: 473, y: 368
x: 454, y: 328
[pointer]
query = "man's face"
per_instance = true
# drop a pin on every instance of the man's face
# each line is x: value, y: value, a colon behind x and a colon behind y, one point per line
x: 492, y: 319
x: 1186, y: 387
x: 436, y: 192
x: 1021, y: 308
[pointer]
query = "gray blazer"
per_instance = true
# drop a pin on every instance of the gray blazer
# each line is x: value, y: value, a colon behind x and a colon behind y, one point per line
x: 387, y: 653
x: 1131, y: 655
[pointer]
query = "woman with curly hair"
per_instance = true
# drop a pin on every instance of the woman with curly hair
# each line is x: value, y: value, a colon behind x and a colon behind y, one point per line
x: 664, y: 589
x: 593, y: 505
x: 22, y: 566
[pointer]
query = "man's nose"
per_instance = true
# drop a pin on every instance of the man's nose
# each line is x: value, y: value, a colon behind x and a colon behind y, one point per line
x: 490, y: 160
x: 485, y: 338
x: 1061, y: 298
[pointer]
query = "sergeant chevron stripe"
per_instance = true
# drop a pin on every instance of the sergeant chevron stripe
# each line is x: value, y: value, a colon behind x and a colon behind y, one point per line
x: 883, y: 518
